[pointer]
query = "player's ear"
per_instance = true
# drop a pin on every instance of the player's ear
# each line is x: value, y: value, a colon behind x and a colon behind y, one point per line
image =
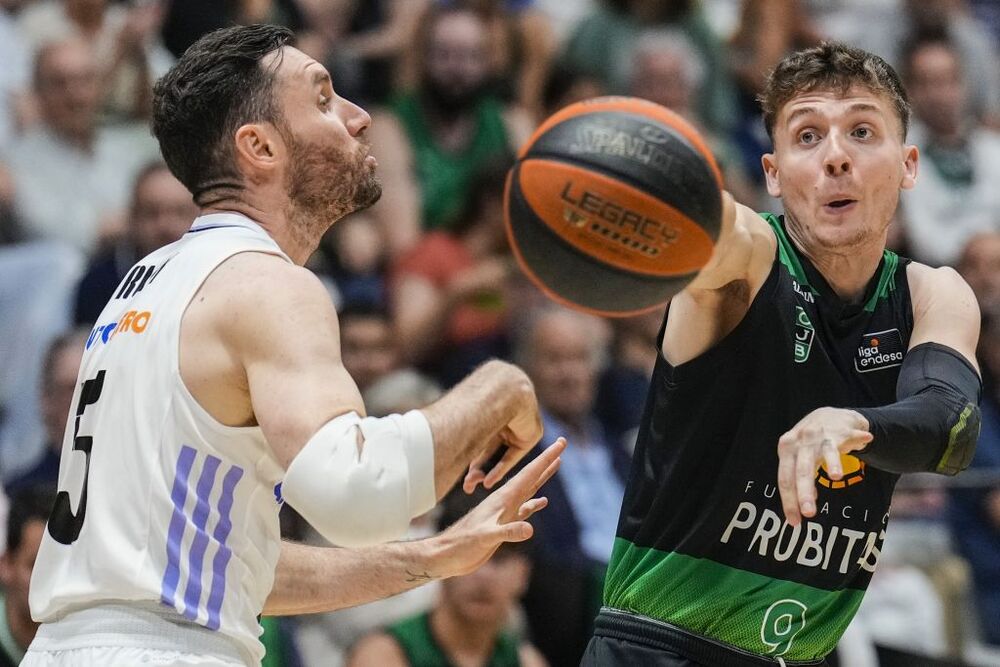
x: 911, y: 158
x: 258, y: 148
x: 770, y: 164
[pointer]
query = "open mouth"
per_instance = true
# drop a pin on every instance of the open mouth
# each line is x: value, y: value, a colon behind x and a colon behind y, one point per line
x: 840, y: 203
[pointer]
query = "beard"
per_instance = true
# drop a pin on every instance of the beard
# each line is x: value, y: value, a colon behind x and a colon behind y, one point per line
x: 325, y: 184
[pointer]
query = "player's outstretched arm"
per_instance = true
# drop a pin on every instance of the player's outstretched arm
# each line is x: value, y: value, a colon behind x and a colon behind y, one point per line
x: 357, y: 480
x: 316, y: 579
x: 934, y: 423
x: 718, y: 298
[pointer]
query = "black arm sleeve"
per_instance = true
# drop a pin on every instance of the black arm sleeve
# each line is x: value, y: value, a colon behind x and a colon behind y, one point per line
x: 934, y: 424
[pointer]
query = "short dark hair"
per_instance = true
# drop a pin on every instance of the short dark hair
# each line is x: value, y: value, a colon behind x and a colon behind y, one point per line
x: 831, y: 65
x: 217, y: 86
x: 32, y: 503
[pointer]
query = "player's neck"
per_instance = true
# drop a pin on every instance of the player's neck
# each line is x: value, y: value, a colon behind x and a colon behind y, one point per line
x: 295, y: 241
x: 461, y: 640
x: 846, y: 270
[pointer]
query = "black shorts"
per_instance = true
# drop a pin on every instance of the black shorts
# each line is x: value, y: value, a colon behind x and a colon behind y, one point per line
x: 633, y: 641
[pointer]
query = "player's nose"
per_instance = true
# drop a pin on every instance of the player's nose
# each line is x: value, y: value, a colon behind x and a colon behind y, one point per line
x: 356, y: 119
x: 836, y: 159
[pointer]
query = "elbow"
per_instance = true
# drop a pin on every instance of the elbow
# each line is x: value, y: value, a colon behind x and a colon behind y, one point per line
x: 960, y: 442
x: 368, y: 505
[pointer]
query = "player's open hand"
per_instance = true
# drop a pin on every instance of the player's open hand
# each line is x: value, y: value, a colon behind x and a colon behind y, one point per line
x: 819, y: 437
x: 501, y: 517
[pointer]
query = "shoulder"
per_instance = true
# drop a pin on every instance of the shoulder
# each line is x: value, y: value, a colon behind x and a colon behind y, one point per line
x: 929, y: 286
x: 256, y: 292
x: 378, y: 649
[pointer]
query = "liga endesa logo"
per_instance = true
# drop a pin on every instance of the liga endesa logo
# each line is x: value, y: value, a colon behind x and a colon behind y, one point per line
x: 134, y: 321
x: 854, y: 472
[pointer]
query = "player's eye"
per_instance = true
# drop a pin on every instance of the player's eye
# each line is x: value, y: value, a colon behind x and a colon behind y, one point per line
x: 863, y: 133
x: 324, y: 101
x: 808, y: 137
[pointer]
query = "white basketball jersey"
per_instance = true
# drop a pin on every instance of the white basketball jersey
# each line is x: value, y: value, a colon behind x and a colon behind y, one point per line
x: 157, y: 500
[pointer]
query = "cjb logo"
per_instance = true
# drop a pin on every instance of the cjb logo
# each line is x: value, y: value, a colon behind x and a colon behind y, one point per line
x: 804, y: 335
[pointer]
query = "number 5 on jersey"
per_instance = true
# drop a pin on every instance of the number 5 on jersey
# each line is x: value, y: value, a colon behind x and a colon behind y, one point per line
x: 64, y: 526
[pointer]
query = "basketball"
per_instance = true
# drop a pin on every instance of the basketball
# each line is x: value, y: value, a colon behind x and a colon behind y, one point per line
x: 613, y: 205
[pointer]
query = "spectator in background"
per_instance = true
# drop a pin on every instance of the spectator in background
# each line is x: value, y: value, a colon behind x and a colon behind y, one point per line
x: 562, y: 352
x: 624, y: 385
x: 161, y: 212
x: 974, y: 510
x: 666, y: 70
x: 434, y: 140
x: 367, y: 346
x: 522, y: 46
x: 10, y: 230
x: 126, y: 49
x: 24, y: 527
x: 365, y: 41
x: 956, y: 194
x: 566, y: 86
x: 59, y: 373
x: 768, y: 31
x: 15, y: 75
x: 187, y: 20
x: 467, y: 624
x: 351, y: 258
x: 448, y: 291
x: 980, y: 266
x: 602, y: 45
x: 72, y: 178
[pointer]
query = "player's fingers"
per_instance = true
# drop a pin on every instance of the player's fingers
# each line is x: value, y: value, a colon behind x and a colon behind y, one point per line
x: 856, y: 440
x: 473, y: 478
x: 831, y: 459
x: 786, y: 485
x: 805, y: 480
x: 515, y: 531
x: 525, y: 483
x: 532, y: 506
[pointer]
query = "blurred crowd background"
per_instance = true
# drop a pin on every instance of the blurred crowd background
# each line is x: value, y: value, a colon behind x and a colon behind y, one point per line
x: 426, y: 287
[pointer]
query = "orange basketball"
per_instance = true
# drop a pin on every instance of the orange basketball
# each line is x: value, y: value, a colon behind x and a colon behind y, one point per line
x: 614, y: 205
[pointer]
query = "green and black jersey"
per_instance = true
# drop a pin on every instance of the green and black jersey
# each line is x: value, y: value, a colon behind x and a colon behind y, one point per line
x: 702, y: 542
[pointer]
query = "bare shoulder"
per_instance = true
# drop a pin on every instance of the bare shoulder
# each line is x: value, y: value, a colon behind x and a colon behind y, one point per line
x: 933, y: 288
x: 945, y: 310
x: 377, y: 650
x: 252, y: 293
x: 530, y: 656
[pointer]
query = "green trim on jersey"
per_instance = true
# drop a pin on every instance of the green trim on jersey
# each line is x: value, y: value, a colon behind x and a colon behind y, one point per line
x: 783, y: 618
x: 786, y: 251
x: 886, y: 281
x: 788, y: 256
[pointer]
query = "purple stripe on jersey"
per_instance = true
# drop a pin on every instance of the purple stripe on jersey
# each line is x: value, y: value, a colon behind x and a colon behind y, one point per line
x: 222, y: 556
x: 196, y: 556
x: 177, y: 522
